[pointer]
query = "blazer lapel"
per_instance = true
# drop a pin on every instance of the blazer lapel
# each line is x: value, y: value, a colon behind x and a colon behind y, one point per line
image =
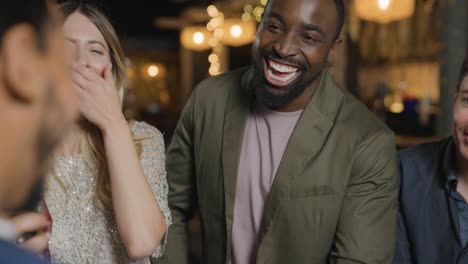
x: 304, y: 145
x: 447, y: 168
x: 237, y: 112
x: 454, y: 218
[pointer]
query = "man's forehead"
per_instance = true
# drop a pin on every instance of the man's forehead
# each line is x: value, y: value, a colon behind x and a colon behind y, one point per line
x: 319, y: 10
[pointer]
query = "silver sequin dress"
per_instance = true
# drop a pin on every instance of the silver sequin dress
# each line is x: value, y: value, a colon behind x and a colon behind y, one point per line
x: 81, y: 233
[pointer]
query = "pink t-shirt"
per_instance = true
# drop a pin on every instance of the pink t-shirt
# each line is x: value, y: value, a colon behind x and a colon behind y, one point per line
x: 266, y: 135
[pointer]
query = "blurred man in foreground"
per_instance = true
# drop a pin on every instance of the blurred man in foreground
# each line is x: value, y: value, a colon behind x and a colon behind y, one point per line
x: 37, y: 104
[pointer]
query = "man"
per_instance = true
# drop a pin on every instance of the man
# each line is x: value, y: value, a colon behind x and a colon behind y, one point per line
x: 37, y: 104
x: 433, y: 214
x: 285, y: 166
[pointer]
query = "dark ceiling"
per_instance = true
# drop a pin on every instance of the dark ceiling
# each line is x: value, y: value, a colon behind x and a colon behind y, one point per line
x: 135, y: 19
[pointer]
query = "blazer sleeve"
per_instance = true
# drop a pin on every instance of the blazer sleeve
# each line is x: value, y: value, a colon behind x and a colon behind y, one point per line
x: 367, y: 225
x: 182, y: 186
x: 402, y: 253
x: 403, y: 247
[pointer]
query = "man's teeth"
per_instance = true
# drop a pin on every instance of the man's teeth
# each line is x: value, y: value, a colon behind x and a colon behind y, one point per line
x: 282, y: 68
x: 285, y: 79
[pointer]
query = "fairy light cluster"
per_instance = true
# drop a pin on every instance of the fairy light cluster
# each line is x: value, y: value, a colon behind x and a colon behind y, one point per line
x: 215, y: 26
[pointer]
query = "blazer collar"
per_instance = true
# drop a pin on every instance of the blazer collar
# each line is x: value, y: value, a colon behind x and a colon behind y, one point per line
x: 449, y: 160
x: 448, y: 174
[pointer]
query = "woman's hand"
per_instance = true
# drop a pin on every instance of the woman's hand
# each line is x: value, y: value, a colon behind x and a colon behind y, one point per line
x: 31, y: 231
x: 99, y: 100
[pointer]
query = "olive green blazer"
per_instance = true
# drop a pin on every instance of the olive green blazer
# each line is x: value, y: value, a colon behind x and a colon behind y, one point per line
x: 334, y: 197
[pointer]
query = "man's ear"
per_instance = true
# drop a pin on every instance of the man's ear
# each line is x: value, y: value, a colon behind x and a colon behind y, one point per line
x: 20, y: 63
x: 336, y: 43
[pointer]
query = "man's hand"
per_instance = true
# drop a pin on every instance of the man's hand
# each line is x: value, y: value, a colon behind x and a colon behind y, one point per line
x: 32, y: 231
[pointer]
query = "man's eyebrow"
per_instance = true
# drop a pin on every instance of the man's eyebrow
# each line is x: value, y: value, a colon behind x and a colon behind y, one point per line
x: 314, y: 28
x: 278, y: 16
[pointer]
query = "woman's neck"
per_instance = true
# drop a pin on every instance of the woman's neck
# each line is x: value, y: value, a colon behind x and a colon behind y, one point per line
x: 71, y: 143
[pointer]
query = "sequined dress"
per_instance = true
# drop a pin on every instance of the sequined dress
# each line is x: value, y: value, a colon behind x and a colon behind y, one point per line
x: 82, y: 233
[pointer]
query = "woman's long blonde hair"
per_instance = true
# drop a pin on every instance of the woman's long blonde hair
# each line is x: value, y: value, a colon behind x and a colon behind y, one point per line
x: 91, y: 142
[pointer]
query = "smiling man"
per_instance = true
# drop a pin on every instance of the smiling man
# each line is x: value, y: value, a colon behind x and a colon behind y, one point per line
x: 284, y: 166
x: 433, y: 214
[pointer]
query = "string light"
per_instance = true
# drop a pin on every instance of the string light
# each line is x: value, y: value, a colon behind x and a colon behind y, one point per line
x: 384, y: 4
x: 153, y: 71
x: 212, y: 11
x: 235, y: 34
x: 384, y: 11
x: 198, y: 38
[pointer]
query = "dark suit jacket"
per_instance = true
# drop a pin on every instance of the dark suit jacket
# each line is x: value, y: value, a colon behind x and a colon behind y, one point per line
x: 427, y: 220
x: 10, y: 254
x: 333, y: 199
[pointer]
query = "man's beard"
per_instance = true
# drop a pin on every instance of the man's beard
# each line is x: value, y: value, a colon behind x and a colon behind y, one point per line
x: 49, y: 135
x: 265, y: 91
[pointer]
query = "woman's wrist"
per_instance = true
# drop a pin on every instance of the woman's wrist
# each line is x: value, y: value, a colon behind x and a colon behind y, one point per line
x: 114, y: 125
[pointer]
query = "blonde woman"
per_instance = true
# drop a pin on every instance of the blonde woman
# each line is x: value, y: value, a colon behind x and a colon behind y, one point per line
x: 107, y: 194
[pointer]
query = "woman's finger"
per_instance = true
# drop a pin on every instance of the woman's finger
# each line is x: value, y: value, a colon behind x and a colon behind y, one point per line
x: 88, y: 74
x: 82, y: 82
x: 81, y: 93
x: 108, y: 76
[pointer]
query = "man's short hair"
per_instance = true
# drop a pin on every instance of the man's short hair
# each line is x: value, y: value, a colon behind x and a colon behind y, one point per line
x: 463, y: 72
x: 32, y: 12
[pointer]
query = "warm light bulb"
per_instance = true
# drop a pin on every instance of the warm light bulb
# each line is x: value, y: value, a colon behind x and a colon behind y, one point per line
x: 212, y: 11
x: 213, y: 71
x: 213, y: 58
x: 246, y: 17
x: 218, y: 33
x: 153, y: 70
x: 258, y: 11
x: 236, y: 31
x: 397, y: 107
x: 384, y: 4
x: 213, y: 42
x: 198, y: 38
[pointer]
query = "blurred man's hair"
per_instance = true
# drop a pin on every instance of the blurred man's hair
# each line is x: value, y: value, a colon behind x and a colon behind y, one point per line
x: 32, y: 12
x: 463, y: 72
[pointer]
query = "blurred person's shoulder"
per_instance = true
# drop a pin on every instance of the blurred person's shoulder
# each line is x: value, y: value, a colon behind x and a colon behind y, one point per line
x: 10, y: 253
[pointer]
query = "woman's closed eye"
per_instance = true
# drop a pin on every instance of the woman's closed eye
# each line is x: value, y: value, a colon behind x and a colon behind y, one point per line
x: 97, y: 51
